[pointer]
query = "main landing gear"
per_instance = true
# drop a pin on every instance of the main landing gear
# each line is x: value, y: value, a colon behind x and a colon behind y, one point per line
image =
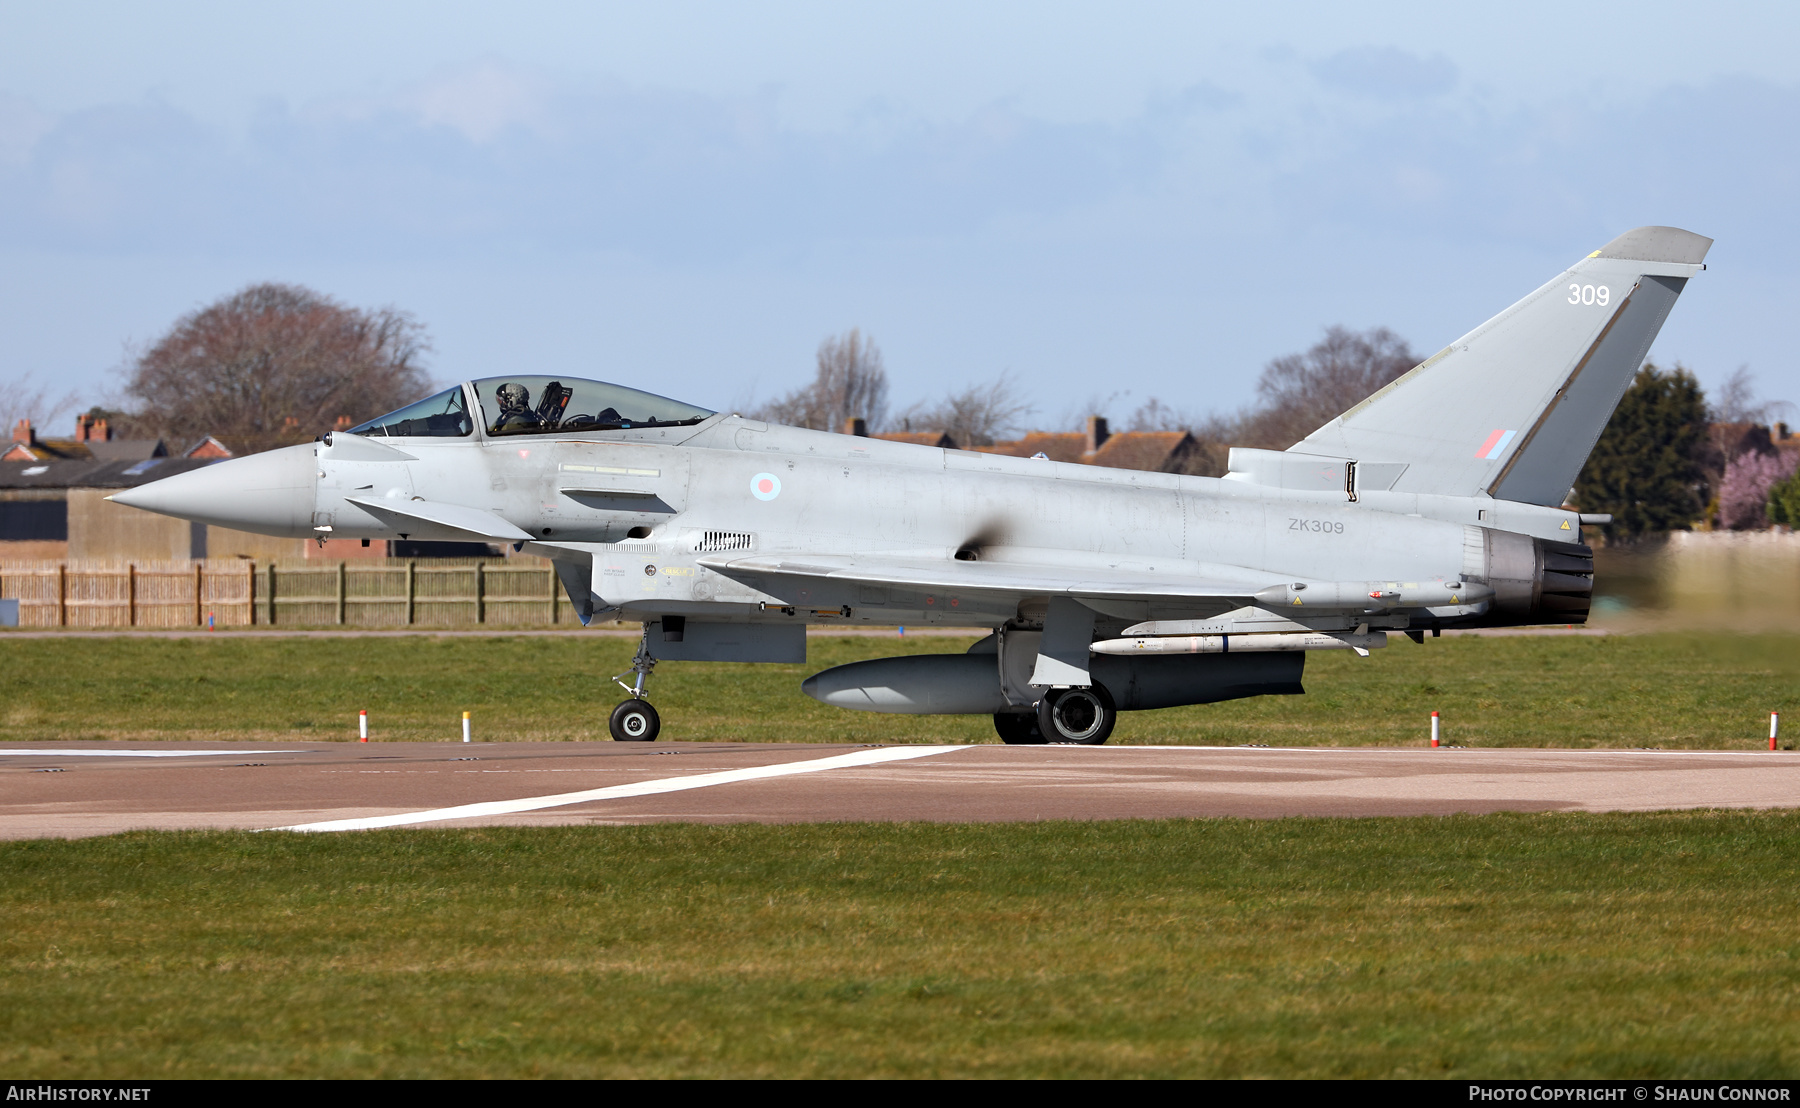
x: 635, y: 720
x: 1079, y: 717
x: 1019, y: 728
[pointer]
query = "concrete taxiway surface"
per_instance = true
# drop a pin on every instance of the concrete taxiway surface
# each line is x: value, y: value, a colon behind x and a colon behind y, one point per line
x: 98, y: 788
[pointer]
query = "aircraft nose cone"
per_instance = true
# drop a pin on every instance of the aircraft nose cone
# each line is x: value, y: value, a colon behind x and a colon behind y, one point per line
x: 270, y: 493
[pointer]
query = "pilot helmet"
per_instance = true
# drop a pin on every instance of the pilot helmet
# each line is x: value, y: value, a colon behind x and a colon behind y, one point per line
x: 512, y: 395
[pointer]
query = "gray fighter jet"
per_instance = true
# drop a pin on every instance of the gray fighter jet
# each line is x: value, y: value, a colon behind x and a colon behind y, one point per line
x: 1437, y: 502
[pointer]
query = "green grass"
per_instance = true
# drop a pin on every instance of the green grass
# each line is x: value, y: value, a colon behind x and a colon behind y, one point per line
x: 1662, y: 690
x: 1513, y: 945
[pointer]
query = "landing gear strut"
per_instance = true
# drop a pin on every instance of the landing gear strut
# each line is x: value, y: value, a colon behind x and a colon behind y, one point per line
x: 635, y: 721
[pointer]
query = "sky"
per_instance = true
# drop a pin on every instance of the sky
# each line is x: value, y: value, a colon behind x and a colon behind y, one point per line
x: 1110, y: 202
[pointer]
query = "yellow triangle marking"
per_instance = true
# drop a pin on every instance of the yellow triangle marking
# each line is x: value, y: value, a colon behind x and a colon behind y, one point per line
x: 1565, y: 525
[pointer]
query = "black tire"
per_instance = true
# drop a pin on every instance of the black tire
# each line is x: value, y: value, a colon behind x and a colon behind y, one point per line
x: 1084, y: 717
x: 1019, y: 729
x: 634, y: 721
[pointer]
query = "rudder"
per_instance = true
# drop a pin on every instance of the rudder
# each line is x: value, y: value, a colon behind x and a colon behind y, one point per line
x: 1513, y: 408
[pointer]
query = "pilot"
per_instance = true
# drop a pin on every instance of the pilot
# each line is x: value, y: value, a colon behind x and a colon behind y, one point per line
x: 515, y: 409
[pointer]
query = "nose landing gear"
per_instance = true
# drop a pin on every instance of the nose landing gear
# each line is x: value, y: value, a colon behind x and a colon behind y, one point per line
x: 635, y: 720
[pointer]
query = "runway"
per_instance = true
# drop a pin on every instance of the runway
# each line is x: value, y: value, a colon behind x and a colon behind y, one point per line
x: 97, y: 788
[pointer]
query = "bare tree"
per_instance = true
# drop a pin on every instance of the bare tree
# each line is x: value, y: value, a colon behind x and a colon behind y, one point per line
x: 24, y: 398
x: 980, y: 415
x: 1154, y: 415
x: 1299, y: 393
x: 1075, y: 414
x: 275, y: 364
x: 1736, y: 401
x: 850, y: 383
x: 1296, y: 395
x: 1736, y: 425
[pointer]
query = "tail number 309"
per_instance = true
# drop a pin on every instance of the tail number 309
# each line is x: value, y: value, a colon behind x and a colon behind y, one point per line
x: 1589, y: 294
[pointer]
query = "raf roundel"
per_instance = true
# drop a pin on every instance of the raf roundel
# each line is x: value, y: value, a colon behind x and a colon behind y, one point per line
x: 765, y: 486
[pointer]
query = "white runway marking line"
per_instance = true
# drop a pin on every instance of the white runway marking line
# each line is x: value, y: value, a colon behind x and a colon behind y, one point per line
x: 143, y: 753
x: 641, y: 788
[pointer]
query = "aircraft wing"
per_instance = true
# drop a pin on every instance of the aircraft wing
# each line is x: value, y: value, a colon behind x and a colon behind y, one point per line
x: 990, y: 577
x: 426, y: 519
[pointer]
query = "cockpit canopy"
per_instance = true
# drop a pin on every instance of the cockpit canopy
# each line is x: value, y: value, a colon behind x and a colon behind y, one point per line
x: 441, y: 416
x: 523, y: 405
x: 534, y: 405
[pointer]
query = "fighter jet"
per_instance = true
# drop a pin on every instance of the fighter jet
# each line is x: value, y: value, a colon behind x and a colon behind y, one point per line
x: 1437, y: 502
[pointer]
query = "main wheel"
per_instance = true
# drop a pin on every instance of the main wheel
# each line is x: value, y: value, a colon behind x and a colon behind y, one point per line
x: 1081, y: 716
x: 634, y: 721
x: 1019, y: 728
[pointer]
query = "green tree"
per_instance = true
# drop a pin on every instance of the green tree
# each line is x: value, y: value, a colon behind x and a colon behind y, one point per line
x: 1784, y: 501
x: 1644, y: 470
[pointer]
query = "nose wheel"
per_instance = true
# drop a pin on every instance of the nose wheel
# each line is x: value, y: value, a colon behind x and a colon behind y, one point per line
x: 636, y: 720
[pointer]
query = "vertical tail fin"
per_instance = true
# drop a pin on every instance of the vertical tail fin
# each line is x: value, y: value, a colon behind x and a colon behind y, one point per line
x: 1513, y: 408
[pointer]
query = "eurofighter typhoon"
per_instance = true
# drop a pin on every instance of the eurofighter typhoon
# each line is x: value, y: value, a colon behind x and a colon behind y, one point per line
x: 1436, y: 502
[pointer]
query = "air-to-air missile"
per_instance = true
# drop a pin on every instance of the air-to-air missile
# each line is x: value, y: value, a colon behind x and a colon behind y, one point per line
x: 1436, y: 503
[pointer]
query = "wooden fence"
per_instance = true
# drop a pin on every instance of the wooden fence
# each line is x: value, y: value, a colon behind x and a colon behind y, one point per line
x: 219, y: 592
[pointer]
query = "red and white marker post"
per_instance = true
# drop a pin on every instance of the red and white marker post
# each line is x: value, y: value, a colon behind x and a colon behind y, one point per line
x: 1774, y: 728
x: 1434, y: 729
x: 362, y: 725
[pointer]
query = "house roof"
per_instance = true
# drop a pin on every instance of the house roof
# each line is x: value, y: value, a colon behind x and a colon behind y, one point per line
x: 1141, y: 449
x: 92, y: 473
x: 207, y: 447
x: 127, y: 450
x: 918, y: 438
x: 1058, y: 446
x: 1151, y: 450
x: 113, y: 450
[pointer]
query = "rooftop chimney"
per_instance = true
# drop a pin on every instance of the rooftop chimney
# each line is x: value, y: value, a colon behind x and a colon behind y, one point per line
x: 91, y: 428
x: 23, y: 433
x: 858, y: 426
x: 1096, y: 433
x: 343, y: 423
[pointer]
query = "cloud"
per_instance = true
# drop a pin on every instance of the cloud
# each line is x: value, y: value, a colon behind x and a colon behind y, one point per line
x: 485, y: 155
x: 1386, y: 73
x: 1721, y: 158
x: 481, y: 100
x: 22, y: 124
x: 483, y: 159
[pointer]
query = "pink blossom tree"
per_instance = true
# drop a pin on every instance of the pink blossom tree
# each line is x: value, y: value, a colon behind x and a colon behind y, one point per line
x: 1744, y: 491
